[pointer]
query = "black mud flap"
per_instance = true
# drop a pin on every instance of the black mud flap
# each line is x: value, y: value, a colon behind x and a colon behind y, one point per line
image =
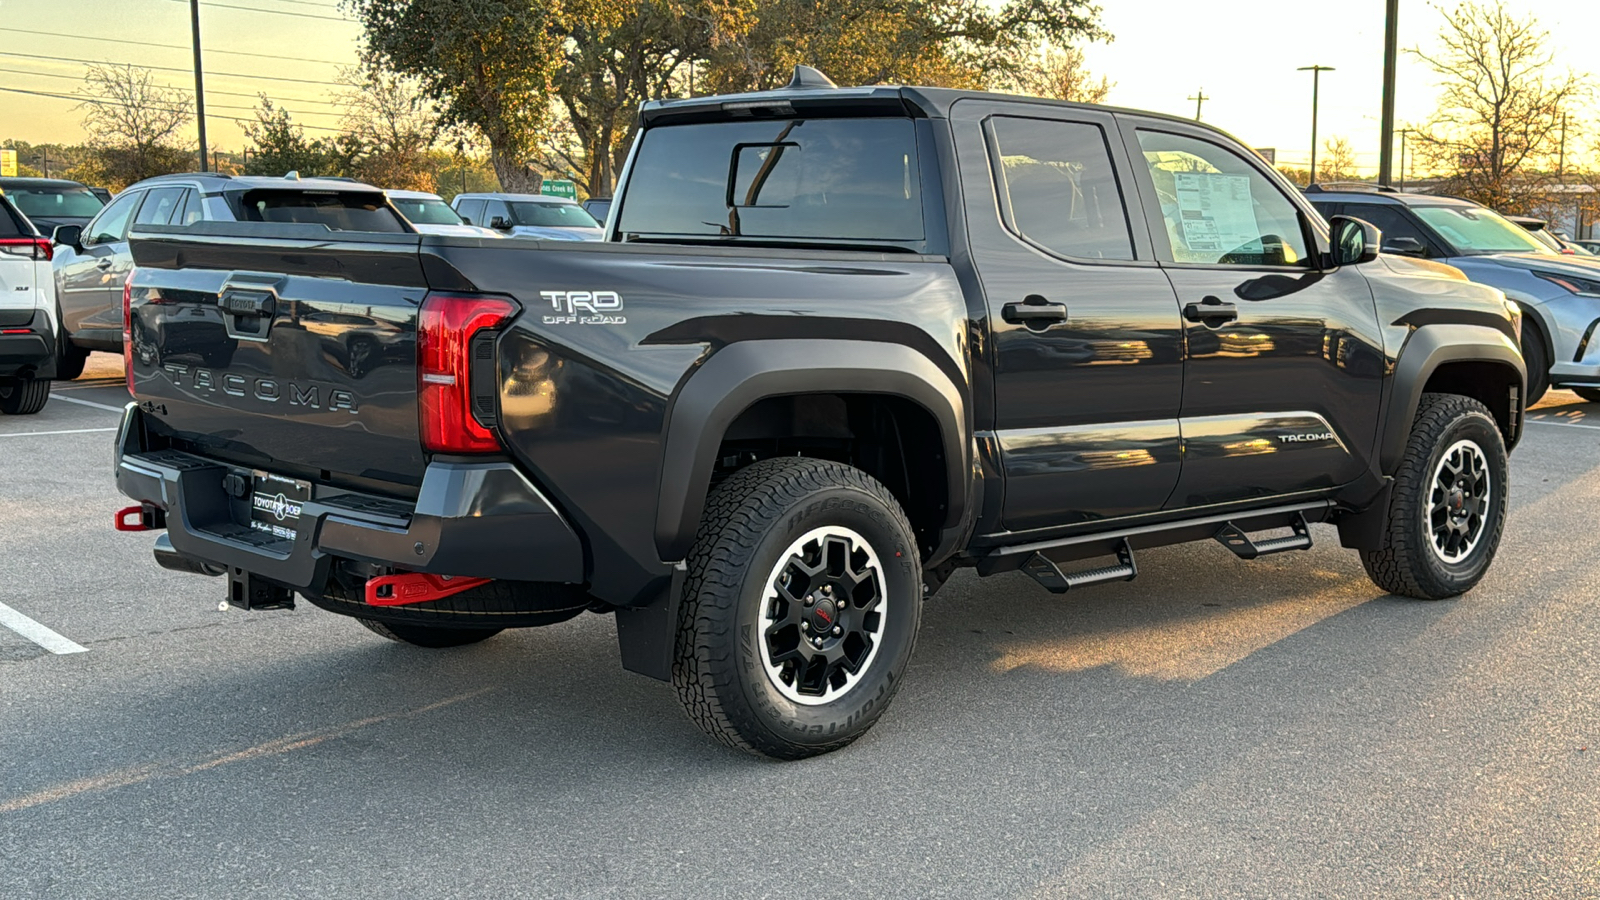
x: 645, y: 634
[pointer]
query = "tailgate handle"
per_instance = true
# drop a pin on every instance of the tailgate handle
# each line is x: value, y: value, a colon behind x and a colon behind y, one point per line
x: 247, y: 303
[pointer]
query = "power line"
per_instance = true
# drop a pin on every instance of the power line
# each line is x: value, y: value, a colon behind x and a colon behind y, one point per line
x: 280, y: 101
x: 104, y: 102
x: 85, y: 37
x: 94, y: 62
x: 276, y: 12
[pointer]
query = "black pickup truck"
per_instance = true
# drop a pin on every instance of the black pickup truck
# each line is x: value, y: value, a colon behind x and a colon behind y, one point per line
x: 837, y: 343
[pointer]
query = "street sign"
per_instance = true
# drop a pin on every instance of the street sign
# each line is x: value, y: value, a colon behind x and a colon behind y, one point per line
x: 8, y: 163
x: 559, y: 187
x: 1270, y: 154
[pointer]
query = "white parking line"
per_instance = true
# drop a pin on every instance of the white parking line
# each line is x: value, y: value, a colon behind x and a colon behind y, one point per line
x: 37, y: 633
x: 1563, y: 424
x: 104, y: 406
x: 65, y: 431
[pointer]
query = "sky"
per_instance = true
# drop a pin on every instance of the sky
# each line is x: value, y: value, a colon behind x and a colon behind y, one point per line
x: 1243, y: 54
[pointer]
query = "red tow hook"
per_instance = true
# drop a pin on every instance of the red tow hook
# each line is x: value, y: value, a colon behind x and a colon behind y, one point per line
x: 417, y: 587
x: 140, y: 518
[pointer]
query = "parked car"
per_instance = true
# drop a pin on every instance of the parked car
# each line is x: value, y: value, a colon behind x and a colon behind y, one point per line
x: 598, y: 207
x: 529, y: 215
x: 27, y: 314
x: 92, y: 262
x: 49, y: 202
x: 840, y: 343
x: 1559, y: 294
x: 1544, y: 234
x: 429, y: 214
x: 1589, y: 245
x: 102, y: 193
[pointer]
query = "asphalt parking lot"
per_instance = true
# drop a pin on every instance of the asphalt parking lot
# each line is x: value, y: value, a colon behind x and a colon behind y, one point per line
x: 1214, y: 729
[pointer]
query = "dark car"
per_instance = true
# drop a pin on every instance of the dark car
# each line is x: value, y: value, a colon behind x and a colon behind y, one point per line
x: 836, y: 344
x: 1559, y: 293
x: 51, y: 202
x: 93, y: 261
x: 599, y: 207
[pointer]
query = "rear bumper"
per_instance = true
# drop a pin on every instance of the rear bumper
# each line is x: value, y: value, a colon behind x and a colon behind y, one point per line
x: 475, y: 518
x: 28, y: 348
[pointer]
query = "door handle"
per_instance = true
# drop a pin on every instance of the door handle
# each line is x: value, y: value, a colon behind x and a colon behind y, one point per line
x: 1035, y: 312
x: 104, y: 264
x: 1211, y: 311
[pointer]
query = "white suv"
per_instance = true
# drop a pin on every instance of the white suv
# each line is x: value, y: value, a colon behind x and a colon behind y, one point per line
x: 27, y: 314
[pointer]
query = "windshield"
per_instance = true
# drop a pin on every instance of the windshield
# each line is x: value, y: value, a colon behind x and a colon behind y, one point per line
x: 551, y: 215
x: 426, y: 211
x: 54, y: 203
x: 1475, y: 230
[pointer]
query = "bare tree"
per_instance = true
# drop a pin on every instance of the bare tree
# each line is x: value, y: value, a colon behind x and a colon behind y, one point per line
x: 1338, y: 162
x: 1495, y: 135
x: 393, y: 124
x: 133, y: 123
x: 1058, y: 73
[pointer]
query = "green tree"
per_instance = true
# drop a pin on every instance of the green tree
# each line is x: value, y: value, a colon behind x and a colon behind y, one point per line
x: 279, y: 146
x: 487, y: 64
x: 390, y: 126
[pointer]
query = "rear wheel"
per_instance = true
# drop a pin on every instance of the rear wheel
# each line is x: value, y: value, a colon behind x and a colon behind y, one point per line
x: 1448, y: 503
x: 429, y: 635
x: 800, y: 611
x: 70, y: 362
x: 23, y: 396
x: 1591, y: 394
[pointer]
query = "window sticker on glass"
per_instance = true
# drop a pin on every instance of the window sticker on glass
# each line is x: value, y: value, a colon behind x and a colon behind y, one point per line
x: 1217, y: 213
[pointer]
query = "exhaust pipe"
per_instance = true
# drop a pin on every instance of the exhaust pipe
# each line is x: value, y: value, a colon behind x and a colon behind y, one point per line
x: 169, y: 558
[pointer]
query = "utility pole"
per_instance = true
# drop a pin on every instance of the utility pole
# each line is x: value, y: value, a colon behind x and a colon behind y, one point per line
x: 1561, y: 156
x: 1391, y: 43
x: 199, y: 82
x: 1316, y: 78
x: 46, y: 152
x: 1199, y: 99
x: 1403, y: 133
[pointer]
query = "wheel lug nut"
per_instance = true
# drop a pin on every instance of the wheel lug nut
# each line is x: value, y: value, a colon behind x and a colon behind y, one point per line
x: 817, y: 643
x: 827, y: 589
x: 805, y: 626
x: 810, y: 599
x: 837, y: 630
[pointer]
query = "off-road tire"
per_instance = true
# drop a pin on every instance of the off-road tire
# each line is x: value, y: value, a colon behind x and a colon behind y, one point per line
x: 751, y: 523
x: 23, y: 396
x: 1591, y: 394
x: 1408, y: 564
x: 1537, y: 360
x: 429, y: 635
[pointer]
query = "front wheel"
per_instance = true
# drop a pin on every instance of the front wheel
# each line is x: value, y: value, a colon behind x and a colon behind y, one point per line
x: 800, y: 610
x: 23, y: 396
x: 1448, y: 503
x: 1537, y: 361
x: 70, y: 362
x: 429, y: 635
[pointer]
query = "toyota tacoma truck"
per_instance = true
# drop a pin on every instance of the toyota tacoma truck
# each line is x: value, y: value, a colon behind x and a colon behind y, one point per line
x: 836, y: 344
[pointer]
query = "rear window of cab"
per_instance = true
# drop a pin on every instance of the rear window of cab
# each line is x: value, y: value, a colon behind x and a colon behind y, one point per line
x: 815, y: 179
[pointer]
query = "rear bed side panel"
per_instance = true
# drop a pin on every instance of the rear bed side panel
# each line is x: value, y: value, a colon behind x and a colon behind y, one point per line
x: 610, y: 334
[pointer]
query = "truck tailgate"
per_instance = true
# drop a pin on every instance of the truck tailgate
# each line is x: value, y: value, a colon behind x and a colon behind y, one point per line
x: 286, y: 348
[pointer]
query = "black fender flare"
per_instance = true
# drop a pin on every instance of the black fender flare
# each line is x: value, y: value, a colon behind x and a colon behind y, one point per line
x: 1424, y: 351
x: 740, y: 374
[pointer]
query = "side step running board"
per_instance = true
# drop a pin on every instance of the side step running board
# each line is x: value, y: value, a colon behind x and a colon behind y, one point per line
x: 1056, y: 581
x: 1232, y: 537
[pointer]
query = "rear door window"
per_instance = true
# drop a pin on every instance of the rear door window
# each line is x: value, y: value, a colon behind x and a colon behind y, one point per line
x: 338, y: 210
x: 471, y: 211
x: 10, y: 221
x: 1058, y: 188
x: 821, y: 179
x: 159, y: 205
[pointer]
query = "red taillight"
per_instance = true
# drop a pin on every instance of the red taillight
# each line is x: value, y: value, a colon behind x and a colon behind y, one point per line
x: 445, y: 327
x: 127, y: 330
x: 32, y: 247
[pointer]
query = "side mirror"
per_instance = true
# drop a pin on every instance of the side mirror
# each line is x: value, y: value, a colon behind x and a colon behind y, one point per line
x: 68, y: 236
x: 1405, y: 246
x: 1354, y: 241
x: 500, y: 223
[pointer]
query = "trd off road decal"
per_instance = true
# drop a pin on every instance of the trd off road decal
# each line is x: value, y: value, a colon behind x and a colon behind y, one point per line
x: 584, y: 308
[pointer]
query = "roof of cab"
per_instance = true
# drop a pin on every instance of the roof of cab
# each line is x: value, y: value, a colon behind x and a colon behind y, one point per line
x: 225, y: 182
x: 28, y: 182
